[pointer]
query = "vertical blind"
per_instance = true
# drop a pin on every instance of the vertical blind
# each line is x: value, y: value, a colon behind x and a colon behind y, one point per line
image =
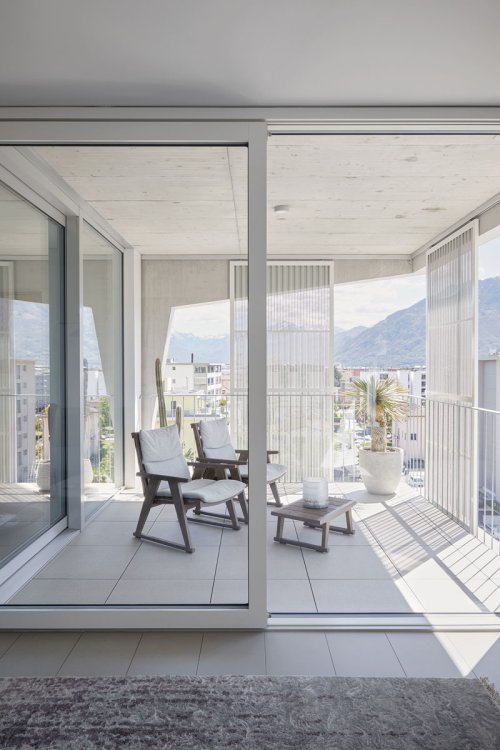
x: 451, y: 318
x: 451, y: 444
x: 299, y: 363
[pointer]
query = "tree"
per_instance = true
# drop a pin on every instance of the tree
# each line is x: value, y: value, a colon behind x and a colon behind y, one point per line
x: 380, y: 402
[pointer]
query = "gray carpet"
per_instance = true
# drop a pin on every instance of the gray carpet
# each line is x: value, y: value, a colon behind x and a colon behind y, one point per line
x: 215, y: 713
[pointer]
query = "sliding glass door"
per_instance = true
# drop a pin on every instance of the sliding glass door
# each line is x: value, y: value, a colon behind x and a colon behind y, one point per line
x: 181, y: 205
x: 102, y: 348
x: 32, y: 407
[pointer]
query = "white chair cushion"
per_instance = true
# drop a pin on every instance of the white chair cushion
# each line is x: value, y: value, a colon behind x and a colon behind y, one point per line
x: 162, y: 452
x: 206, y: 490
x: 274, y: 472
x: 216, y: 439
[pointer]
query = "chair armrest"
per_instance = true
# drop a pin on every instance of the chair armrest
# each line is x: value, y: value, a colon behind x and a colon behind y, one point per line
x: 218, y: 462
x: 245, y: 452
x: 227, y: 462
x: 161, y: 477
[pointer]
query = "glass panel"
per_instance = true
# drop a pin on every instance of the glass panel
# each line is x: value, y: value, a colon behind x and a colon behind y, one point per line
x: 32, y: 432
x: 185, y: 210
x: 102, y: 346
x: 374, y: 205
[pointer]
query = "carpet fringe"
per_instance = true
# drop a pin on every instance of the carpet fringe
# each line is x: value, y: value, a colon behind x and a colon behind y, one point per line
x: 491, y: 690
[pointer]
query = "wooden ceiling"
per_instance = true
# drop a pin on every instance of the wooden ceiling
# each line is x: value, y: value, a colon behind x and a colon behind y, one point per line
x: 347, y: 194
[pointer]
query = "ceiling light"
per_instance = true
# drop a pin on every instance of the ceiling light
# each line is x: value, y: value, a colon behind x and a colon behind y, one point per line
x: 281, y: 209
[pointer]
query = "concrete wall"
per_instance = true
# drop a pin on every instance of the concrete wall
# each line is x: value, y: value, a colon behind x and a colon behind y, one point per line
x: 167, y: 284
x: 346, y: 271
x: 172, y: 283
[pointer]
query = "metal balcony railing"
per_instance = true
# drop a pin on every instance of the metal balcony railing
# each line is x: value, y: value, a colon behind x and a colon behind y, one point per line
x: 450, y: 450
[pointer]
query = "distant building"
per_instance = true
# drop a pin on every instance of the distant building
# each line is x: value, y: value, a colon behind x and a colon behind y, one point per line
x: 413, y: 378
x: 193, y: 377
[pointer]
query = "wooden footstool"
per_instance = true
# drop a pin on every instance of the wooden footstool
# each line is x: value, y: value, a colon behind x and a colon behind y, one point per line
x: 316, y: 518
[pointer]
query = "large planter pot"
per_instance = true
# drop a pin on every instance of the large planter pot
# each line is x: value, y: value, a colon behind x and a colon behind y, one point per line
x: 381, y: 472
x: 43, y: 474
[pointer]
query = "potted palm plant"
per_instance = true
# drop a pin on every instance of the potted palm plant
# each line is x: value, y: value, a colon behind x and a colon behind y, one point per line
x: 380, y: 402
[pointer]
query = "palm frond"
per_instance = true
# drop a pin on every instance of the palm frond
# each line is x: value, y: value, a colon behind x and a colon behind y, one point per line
x: 379, y: 400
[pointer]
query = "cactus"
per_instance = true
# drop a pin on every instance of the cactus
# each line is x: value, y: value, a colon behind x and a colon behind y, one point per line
x: 178, y: 419
x: 162, y: 411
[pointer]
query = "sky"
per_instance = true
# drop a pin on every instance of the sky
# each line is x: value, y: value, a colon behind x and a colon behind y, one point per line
x: 209, y: 320
x: 360, y: 303
x: 489, y: 259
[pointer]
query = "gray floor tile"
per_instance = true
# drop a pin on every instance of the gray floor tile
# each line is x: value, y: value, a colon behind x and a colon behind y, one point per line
x: 287, y: 595
x: 125, y: 511
x: 232, y: 653
x: 154, y: 561
x: 106, y: 653
x: 6, y: 640
x: 230, y: 591
x: 357, y: 596
x: 232, y: 538
x: 89, y: 562
x: 201, y: 535
x: 481, y: 653
x: 64, y: 591
x: 232, y: 563
x: 37, y: 654
x: 109, y: 534
x: 427, y: 655
x: 297, y: 653
x: 285, y: 562
x: 445, y: 596
x: 350, y: 562
x: 136, y: 591
x: 363, y: 655
x: 171, y: 653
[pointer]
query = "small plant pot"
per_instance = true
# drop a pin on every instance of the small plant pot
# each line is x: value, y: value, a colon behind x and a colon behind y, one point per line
x: 88, y: 472
x: 381, y: 471
x: 43, y: 474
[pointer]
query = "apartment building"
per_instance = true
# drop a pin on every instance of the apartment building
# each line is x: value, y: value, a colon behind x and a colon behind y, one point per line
x: 193, y: 377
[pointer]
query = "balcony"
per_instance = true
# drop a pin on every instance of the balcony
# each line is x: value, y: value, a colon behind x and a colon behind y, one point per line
x: 406, y: 556
x: 432, y: 548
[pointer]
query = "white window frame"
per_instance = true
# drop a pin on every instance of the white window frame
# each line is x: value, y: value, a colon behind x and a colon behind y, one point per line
x: 90, y: 125
x: 252, y: 135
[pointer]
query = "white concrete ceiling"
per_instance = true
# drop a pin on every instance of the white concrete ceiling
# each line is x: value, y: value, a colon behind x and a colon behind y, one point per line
x: 23, y: 229
x: 249, y: 52
x: 354, y: 195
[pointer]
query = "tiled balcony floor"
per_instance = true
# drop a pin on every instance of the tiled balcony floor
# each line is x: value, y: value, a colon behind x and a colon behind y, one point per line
x: 406, y: 556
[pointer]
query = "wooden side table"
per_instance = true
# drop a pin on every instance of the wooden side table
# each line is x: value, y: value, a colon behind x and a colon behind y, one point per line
x: 316, y: 518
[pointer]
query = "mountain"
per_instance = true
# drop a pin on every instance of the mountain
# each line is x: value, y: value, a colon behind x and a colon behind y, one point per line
x: 396, y: 341
x: 183, y: 345
x: 31, y: 334
x: 344, y: 336
x: 399, y: 339
x: 489, y: 316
